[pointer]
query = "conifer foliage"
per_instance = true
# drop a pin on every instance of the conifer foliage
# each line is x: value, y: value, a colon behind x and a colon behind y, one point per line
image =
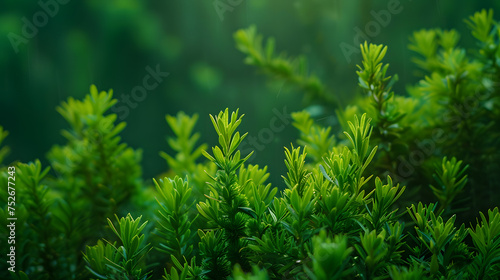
x: 345, y: 208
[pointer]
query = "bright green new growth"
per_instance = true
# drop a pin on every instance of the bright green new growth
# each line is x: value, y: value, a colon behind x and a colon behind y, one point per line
x: 184, y: 144
x: 318, y: 140
x: 297, y: 174
x: 447, y: 114
x: 451, y: 180
x: 94, y: 176
x: 329, y: 219
x: 486, y: 238
x: 324, y: 226
x: 174, y: 217
x: 186, y: 161
x: 108, y: 261
x: 94, y: 169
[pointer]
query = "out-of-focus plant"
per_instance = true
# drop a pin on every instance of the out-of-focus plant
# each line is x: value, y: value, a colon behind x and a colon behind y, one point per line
x: 293, y: 71
x: 94, y: 169
x: 186, y: 161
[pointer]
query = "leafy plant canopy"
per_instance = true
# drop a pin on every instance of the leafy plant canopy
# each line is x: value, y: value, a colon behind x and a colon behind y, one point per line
x: 405, y: 189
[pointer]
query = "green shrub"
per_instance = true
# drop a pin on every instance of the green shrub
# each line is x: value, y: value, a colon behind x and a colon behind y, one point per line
x: 346, y: 208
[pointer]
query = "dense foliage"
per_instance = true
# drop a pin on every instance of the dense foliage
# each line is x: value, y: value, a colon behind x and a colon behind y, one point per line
x: 350, y: 206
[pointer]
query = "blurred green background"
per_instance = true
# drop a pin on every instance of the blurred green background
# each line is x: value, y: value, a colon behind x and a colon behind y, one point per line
x: 110, y: 44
